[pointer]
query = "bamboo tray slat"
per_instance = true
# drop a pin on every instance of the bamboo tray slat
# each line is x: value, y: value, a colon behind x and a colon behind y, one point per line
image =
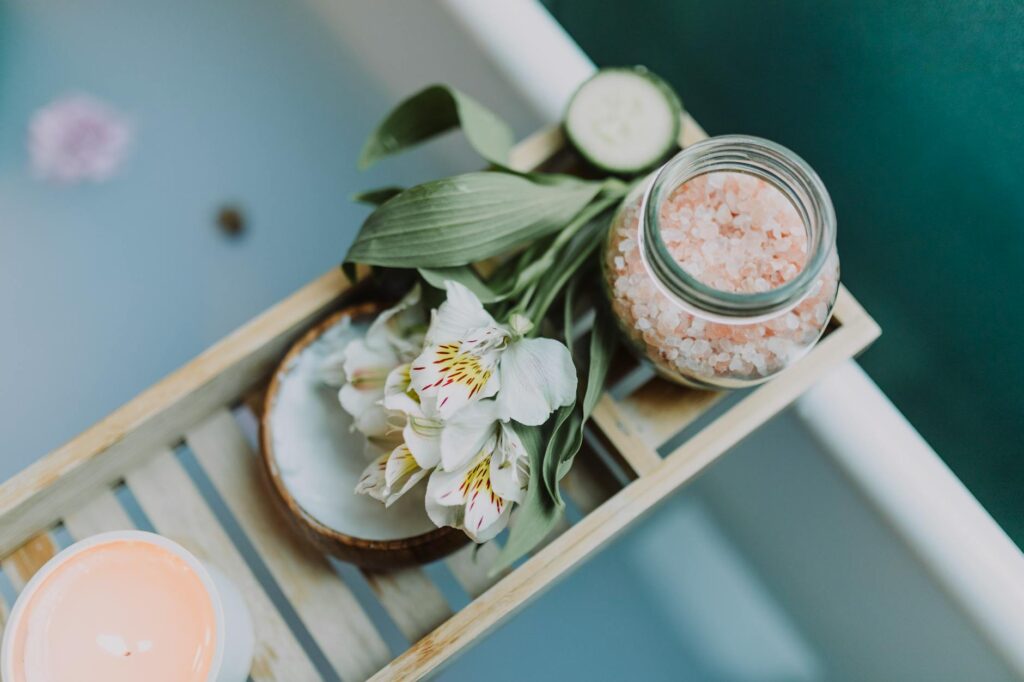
x: 177, y: 460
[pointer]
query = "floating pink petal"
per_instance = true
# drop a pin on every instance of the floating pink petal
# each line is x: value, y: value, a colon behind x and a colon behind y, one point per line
x: 77, y: 138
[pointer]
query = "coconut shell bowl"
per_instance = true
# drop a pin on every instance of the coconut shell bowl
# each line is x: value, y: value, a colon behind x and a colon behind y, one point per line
x: 314, y: 458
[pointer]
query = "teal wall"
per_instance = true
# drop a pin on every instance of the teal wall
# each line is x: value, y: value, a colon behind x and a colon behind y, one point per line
x: 913, y: 114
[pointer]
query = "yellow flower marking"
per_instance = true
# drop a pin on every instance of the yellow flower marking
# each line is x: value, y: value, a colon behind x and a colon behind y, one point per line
x: 457, y: 366
x: 476, y: 481
x: 405, y: 459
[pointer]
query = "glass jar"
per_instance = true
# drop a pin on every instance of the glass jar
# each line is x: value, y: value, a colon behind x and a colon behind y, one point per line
x: 721, y: 266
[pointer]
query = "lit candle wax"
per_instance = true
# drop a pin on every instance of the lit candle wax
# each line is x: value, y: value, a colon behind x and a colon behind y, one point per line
x: 121, y: 610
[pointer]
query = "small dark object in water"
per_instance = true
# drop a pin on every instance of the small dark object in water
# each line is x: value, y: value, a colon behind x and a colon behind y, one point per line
x: 231, y: 221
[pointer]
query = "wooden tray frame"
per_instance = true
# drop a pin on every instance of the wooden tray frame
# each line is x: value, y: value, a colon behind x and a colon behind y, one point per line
x: 73, y: 488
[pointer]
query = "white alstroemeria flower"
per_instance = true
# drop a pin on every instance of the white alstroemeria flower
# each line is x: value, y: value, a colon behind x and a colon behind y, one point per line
x: 470, y: 357
x: 420, y: 429
x: 331, y: 371
x: 366, y: 370
x: 433, y: 441
x: 393, y: 338
x: 391, y: 475
x: 478, y: 496
x: 537, y: 377
x: 460, y: 359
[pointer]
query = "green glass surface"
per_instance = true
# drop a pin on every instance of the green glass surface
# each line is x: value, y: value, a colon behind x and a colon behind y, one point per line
x: 913, y: 114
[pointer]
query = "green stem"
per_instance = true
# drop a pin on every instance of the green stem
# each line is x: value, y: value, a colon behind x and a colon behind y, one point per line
x: 589, y: 212
x: 524, y: 300
x: 561, y: 275
x: 532, y: 275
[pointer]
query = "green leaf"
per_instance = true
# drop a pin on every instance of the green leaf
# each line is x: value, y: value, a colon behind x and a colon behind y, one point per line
x: 376, y: 197
x: 568, y: 429
x: 603, y: 341
x: 464, y: 275
x: 596, y: 218
x: 508, y: 271
x: 567, y: 437
x: 568, y: 312
x: 465, y: 218
x: 538, y: 513
x: 433, y: 111
x: 558, y: 258
x: 554, y: 178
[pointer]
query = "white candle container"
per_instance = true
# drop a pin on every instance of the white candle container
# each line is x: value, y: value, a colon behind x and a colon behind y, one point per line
x: 234, y: 630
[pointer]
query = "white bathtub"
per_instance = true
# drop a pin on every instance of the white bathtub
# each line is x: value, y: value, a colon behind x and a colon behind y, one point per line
x: 832, y: 544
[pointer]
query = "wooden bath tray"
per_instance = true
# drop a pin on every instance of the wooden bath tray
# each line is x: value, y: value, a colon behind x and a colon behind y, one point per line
x: 180, y: 459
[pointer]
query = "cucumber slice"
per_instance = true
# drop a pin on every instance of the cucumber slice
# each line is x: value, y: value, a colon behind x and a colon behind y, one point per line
x: 624, y: 120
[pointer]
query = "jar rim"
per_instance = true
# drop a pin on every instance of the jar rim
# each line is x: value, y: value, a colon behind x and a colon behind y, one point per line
x: 771, y: 162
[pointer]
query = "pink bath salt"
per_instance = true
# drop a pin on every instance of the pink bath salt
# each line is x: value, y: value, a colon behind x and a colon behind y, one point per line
x: 733, y: 232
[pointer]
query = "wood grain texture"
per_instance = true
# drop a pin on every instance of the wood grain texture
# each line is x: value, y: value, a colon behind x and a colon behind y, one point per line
x: 584, y: 485
x: 23, y: 563
x: 54, y: 486
x: 637, y: 440
x: 174, y: 505
x: 411, y: 599
x: 333, y: 616
x: 101, y: 514
x: 589, y: 483
x: 691, y: 132
x: 604, y: 523
x: 74, y: 482
x: 772, y: 397
x: 849, y: 313
x: 374, y: 554
x: 537, y: 148
x: 624, y: 436
x: 58, y: 483
x: 638, y: 424
x: 471, y: 567
x: 660, y: 409
x: 30, y: 557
